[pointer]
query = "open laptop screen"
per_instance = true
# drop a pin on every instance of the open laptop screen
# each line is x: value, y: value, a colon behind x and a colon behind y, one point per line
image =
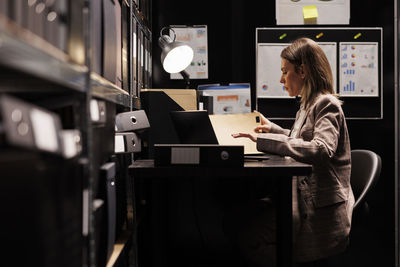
x: 193, y: 127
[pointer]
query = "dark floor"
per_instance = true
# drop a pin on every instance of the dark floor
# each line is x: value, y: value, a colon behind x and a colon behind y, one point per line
x: 193, y: 238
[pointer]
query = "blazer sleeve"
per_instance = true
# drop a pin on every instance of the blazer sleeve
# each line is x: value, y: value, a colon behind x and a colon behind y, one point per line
x: 275, y: 128
x: 327, y: 121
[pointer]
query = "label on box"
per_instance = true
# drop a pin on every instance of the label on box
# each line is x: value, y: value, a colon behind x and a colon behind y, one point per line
x: 185, y: 155
x: 45, y: 130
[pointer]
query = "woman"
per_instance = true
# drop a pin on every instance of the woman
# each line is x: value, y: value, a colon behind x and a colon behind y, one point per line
x: 319, y: 136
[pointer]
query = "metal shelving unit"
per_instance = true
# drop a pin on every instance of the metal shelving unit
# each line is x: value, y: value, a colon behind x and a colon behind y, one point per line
x: 37, y: 72
x: 108, y: 91
x: 22, y: 50
x: 51, y: 78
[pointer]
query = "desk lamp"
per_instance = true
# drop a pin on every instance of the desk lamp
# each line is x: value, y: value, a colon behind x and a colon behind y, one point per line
x: 175, y: 56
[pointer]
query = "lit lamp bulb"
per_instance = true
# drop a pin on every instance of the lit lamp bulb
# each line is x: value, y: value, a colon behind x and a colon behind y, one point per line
x: 175, y: 56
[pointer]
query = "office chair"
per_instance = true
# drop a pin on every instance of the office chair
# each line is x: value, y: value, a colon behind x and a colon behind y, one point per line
x: 365, y: 171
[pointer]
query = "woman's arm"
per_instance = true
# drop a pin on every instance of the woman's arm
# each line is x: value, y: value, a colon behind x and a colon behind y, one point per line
x: 325, y: 131
x: 268, y: 126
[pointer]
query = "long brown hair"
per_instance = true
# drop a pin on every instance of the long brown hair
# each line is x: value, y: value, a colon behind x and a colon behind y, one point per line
x: 318, y: 78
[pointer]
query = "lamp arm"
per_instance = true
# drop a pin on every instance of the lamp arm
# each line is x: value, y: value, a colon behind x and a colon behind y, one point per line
x: 186, y: 77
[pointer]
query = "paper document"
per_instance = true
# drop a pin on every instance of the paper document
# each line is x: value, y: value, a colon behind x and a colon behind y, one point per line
x: 226, y: 124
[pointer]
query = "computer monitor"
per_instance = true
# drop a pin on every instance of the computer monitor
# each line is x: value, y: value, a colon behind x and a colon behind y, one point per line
x: 193, y: 127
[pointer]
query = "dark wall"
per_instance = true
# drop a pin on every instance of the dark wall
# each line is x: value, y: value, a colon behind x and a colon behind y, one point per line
x: 378, y: 135
x: 231, y: 48
x: 219, y: 23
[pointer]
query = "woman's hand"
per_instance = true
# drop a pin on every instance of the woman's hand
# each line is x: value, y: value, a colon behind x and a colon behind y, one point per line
x: 265, y: 126
x: 251, y: 136
x: 262, y: 129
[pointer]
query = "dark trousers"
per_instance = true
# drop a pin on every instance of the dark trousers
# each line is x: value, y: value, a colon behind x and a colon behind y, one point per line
x: 251, y: 228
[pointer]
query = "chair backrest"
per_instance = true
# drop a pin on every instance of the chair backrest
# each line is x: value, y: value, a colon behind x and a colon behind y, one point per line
x: 365, y: 171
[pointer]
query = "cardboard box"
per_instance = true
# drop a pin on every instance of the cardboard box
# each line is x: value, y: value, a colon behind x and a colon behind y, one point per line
x: 186, y: 98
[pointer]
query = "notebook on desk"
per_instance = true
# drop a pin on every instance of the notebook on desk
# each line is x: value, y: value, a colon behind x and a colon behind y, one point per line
x: 195, y: 127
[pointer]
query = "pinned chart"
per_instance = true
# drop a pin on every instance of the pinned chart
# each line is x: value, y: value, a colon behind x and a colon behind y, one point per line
x: 358, y: 70
x: 196, y: 37
x: 269, y: 71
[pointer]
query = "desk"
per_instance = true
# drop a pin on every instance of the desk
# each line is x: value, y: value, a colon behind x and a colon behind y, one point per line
x: 279, y: 168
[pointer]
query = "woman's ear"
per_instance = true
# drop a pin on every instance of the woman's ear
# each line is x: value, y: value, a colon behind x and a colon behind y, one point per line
x: 302, y: 71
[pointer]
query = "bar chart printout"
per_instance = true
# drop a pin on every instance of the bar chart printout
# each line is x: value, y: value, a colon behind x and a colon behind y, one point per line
x: 358, y: 71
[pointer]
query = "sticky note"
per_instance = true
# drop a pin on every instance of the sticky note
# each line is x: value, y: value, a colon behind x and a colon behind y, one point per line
x: 310, y: 14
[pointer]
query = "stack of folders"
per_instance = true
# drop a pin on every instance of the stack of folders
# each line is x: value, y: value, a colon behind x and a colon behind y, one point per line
x: 46, y: 19
x: 30, y: 127
x: 60, y: 23
x: 107, y: 41
x: 112, y: 45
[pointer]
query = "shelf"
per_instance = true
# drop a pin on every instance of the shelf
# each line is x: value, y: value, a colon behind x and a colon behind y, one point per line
x: 106, y: 90
x: 142, y: 23
x: 24, y: 51
x: 50, y: 68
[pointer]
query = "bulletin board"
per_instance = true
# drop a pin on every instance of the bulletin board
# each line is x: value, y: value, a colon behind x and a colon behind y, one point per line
x: 355, y: 56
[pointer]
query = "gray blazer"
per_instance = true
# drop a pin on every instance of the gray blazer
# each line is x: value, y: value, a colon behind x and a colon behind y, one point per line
x: 325, y: 199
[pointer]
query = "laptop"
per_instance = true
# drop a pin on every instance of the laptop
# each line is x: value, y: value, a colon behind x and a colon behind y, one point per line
x: 195, y: 127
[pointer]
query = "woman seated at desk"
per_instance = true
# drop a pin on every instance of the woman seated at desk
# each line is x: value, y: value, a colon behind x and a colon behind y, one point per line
x: 322, y: 202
